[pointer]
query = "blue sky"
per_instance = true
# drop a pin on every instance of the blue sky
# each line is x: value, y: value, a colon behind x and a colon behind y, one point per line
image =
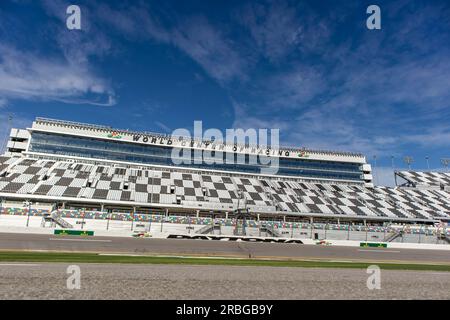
x: 310, y: 68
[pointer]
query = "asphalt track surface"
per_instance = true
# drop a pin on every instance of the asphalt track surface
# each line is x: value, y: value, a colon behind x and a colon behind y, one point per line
x: 127, y: 281
x: 184, y: 247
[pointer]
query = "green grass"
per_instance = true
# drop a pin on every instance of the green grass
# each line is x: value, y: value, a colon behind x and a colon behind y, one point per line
x: 7, y: 256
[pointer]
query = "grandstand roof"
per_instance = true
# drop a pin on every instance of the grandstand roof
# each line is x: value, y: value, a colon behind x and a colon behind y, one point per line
x: 41, y: 120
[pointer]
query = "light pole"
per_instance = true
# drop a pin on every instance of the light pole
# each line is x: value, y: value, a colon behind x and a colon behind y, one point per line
x: 408, y: 160
x: 427, y: 158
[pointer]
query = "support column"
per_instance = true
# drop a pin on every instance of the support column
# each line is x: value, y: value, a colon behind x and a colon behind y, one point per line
x: 197, y: 213
x: 107, y: 222
x: 162, y: 220
x: 348, y: 230
x: 365, y: 227
x: 132, y: 218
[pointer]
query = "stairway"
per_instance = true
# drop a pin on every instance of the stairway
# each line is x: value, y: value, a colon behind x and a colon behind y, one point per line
x: 273, y: 233
x: 391, y: 237
x: 444, y: 237
x: 60, y: 221
x: 208, y: 228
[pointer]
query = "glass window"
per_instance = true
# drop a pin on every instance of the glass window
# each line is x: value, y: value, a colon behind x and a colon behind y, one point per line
x: 162, y: 155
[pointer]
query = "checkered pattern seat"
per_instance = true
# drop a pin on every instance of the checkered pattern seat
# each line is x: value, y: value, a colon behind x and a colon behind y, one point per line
x: 425, y: 178
x: 217, y: 191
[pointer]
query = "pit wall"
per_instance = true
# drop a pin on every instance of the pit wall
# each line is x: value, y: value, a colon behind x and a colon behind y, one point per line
x: 17, y: 224
x: 117, y: 223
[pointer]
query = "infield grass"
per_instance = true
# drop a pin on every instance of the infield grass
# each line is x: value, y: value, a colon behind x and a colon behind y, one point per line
x: 23, y: 256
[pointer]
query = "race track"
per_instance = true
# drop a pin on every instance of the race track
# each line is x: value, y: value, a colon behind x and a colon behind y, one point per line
x: 13, y: 242
x: 124, y: 281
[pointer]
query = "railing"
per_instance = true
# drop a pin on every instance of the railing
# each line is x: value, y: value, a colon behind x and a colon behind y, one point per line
x: 205, y: 229
x: 272, y: 232
x: 394, y: 235
x: 59, y: 221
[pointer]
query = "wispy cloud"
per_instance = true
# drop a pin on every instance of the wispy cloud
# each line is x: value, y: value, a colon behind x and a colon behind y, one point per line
x: 375, y: 93
x: 279, y: 28
x: 27, y: 76
x: 313, y: 71
x: 163, y: 127
x: 56, y: 65
x: 3, y: 102
x: 204, y: 43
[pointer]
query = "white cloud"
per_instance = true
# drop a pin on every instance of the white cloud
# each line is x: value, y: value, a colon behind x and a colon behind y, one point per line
x: 333, y: 103
x: 209, y: 48
x: 373, y: 95
x: 279, y: 28
x: 204, y: 43
x: 66, y: 74
x: 164, y: 127
x: 27, y: 76
x: 3, y: 102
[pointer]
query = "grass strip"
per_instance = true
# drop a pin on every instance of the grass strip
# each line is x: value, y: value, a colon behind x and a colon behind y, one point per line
x: 63, y: 257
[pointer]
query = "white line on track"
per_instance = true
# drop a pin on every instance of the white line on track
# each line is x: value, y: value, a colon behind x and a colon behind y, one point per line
x: 389, y: 251
x: 122, y: 255
x: 18, y: 265
x: 81, y: 240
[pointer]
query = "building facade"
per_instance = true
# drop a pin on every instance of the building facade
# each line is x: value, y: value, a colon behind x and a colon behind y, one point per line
x: 50, y: 138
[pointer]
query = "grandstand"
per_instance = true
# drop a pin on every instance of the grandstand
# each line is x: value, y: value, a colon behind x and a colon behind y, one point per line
x: 70, y: 174
x: 427, y: 180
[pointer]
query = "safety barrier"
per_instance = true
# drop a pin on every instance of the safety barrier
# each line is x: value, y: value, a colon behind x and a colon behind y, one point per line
x: 373, y: 245
x: 74, y: 232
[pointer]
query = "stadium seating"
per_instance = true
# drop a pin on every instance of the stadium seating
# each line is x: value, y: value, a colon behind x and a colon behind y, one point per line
x: 222, y: 192
x: 429, y: 179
